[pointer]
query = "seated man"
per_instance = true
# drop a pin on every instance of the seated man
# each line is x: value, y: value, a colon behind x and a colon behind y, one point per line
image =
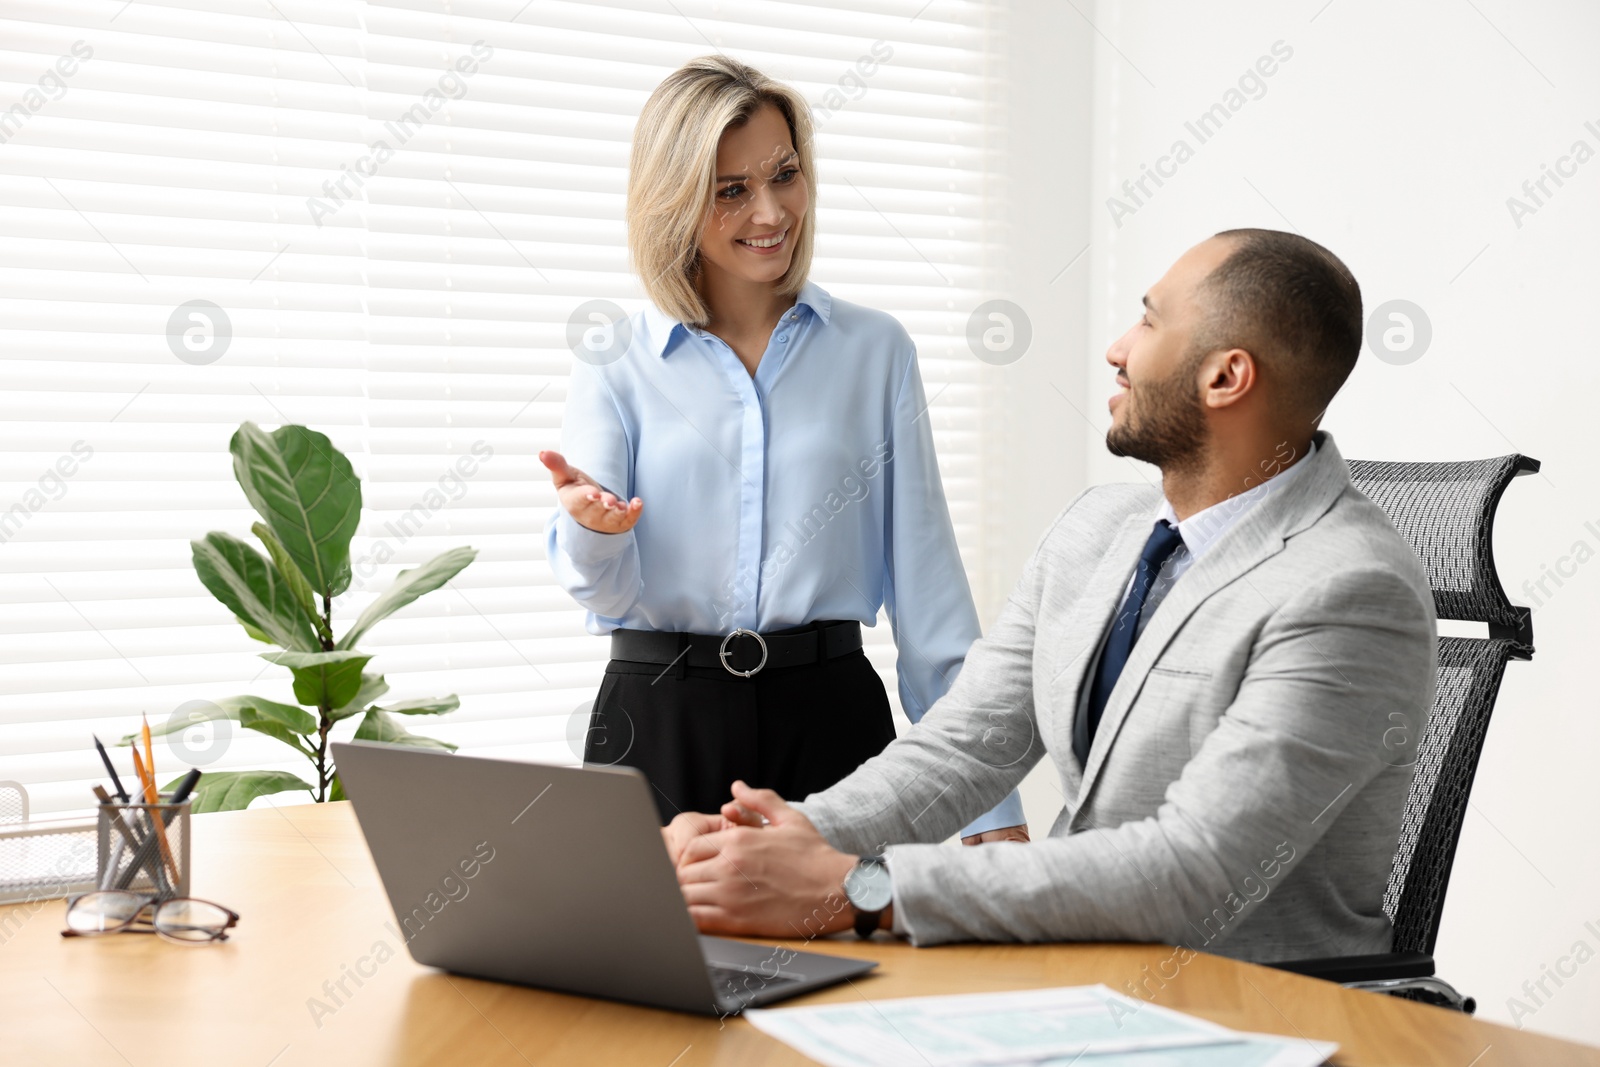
x: 1229, y: 672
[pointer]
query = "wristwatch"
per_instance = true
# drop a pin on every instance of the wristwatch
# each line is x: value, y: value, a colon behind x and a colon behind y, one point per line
x: 869, y: 891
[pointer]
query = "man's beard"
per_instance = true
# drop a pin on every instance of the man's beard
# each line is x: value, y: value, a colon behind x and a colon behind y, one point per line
x: 1164, y: 424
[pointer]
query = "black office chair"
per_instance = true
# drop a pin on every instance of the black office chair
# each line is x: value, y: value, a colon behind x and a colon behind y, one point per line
x: 1446, y: 511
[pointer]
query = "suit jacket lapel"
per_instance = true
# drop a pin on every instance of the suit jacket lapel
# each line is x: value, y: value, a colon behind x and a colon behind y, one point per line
x: 1257, y: 537
x: 1087, y: 623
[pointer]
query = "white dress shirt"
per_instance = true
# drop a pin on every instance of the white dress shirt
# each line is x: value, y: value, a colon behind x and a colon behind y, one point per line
x: 1205, y: 528
x: 1198, y: 533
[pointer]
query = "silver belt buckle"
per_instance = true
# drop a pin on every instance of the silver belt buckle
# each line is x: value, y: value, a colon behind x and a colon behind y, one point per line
x: 722, y: 652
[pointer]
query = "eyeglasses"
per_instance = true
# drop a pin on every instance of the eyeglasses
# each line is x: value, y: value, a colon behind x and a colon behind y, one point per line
x: 184, y: 920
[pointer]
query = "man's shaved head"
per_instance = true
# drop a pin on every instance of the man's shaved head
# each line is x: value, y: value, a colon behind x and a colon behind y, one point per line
x: 1292, y: 305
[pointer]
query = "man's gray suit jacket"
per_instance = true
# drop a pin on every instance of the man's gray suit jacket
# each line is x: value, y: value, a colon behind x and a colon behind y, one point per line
x: 1244, y: 790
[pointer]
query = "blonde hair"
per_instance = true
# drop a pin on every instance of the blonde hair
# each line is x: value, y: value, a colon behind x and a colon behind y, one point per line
x: 672, y: 175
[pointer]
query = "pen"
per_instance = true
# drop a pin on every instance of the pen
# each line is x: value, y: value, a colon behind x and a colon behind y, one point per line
x: 185, y: 787
x: 127, y: 837
x: 122, y: 794
x: 179, y: 795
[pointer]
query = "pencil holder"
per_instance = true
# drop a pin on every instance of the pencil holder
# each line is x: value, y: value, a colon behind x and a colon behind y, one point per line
x: 145, y: 847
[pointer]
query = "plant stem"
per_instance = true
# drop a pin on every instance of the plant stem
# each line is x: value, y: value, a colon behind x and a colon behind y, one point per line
x: 325, y: 711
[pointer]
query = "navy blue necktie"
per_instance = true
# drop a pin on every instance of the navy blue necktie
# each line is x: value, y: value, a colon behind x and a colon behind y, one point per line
x: 1164, y: 541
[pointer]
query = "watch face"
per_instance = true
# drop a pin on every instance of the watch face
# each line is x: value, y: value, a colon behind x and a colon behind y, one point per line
x: 868, y: 887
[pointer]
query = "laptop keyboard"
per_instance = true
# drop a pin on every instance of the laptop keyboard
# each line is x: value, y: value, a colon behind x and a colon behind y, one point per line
x: 741, y: 982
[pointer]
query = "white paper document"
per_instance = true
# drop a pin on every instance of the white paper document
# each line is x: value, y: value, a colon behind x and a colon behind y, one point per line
x: 1090, y: 1026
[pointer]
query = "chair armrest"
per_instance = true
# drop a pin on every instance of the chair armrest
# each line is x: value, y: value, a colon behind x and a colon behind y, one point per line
x: 1381, y: 967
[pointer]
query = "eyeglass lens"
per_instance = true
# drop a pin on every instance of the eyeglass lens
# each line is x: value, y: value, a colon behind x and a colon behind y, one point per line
x: 99, y: 913
x: 190, y: 920
x: 180, y: 919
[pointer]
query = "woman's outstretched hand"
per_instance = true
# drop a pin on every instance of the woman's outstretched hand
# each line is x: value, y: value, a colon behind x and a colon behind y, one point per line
x: 588, y: 504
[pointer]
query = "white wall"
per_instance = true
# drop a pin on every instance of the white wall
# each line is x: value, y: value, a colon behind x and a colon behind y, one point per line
x: 1394, y: 134
x: 1045, y: 87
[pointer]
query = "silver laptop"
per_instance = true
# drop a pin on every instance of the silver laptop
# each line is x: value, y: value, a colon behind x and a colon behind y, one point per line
x: 554, y: 877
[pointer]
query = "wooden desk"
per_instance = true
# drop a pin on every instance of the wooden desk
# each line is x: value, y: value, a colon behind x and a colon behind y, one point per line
x: 313, y: 910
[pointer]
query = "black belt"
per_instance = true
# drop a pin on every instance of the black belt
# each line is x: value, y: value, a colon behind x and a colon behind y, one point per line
x: 741, y: 652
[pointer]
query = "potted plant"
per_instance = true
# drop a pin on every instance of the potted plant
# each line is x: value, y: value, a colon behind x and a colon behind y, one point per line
x: 309, y: 500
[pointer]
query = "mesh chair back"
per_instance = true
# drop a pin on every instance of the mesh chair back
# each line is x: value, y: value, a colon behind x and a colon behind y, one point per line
x: 1446, y: 511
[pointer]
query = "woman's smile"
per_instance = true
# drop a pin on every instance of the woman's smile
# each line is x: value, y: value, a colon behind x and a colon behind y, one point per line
x: 766, y: 244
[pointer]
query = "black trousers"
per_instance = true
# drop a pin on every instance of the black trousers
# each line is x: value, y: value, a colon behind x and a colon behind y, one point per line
x: 693, y: 730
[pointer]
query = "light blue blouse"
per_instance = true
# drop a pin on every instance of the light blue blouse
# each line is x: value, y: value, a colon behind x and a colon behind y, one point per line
x: 810, y: 491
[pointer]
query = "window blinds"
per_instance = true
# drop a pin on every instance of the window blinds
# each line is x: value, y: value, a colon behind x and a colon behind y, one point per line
x: 375, y: 219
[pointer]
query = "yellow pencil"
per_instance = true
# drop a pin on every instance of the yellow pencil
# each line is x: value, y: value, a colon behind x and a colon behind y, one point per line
x: 146, y: 769
x: 149, y: 753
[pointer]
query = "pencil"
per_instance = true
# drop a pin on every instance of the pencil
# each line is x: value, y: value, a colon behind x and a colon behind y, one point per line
x: 149, y: 753
x: 147, y: 776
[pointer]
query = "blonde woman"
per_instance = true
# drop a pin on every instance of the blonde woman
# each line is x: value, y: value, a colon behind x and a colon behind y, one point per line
x: 778, y: 436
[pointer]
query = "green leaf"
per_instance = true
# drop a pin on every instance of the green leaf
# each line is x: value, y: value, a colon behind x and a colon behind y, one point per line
x: 283, y: 721
x: 425, y: 706
x: 292, y: 577
x: 308, y: 494
x: 323, y: 679
x: 233, y: 790
x: 408, y: 586
x: 373, y: 686
x: 380, y: 726
x: 265, y: 639
x: 229, y: 708
x: 240, y: 577
x: 336, y: 790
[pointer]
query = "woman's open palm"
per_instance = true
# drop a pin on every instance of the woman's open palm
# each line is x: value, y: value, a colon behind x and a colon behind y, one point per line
x: 589, y: 504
